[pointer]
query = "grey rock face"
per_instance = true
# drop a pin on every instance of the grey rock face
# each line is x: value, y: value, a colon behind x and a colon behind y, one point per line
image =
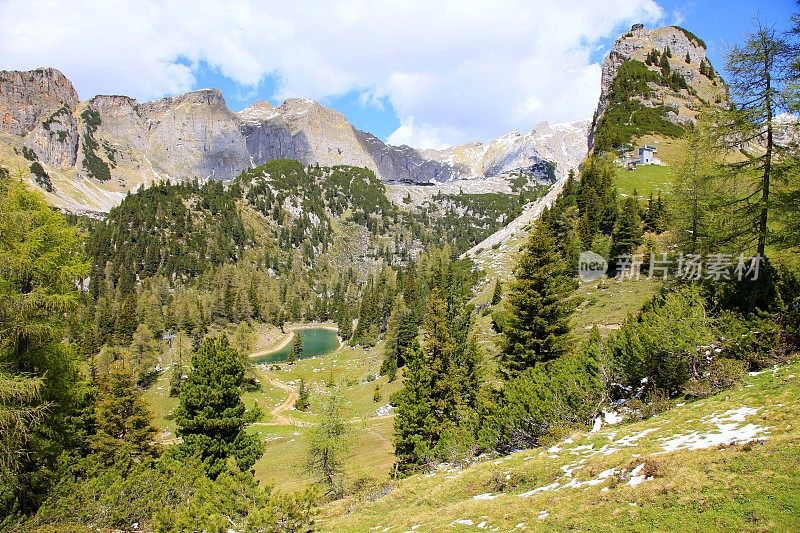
x: 194, y: 135
x: 55, y: 141
x: 28, y: 98
x: 405, y: 164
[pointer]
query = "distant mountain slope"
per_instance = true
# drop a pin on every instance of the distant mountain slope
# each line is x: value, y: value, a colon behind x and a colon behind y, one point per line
x: 87, y: 155
x: 557, y: 143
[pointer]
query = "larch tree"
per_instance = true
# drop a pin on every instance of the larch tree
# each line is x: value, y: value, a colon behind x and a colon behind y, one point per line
x: 124, y: 429
x: 696, y: 192
x: 758, y: 75
x: 41, y: 263
x: 329, y: 447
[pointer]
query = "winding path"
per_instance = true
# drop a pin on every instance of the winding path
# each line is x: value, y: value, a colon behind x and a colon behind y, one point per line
x: 278, y: 419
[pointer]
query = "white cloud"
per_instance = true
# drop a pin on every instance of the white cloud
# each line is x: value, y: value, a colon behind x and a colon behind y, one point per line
x: 453, y: 71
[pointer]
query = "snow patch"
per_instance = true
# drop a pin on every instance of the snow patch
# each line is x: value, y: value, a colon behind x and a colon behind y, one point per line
x: 636, y: 476
x: 546, y: 488
x: 728, y: 432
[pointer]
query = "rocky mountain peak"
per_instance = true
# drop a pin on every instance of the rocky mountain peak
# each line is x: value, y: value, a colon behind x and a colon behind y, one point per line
x: 30, y: 97
x: 259, y: 111
x: 689, y: 80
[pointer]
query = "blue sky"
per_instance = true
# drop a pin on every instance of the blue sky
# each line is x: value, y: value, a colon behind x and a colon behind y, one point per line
x: 720, y: 23
x: 428, y: 74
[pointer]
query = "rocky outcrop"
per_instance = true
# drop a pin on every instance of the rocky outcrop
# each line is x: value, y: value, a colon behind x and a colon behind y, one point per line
x: 194, y: 135
x: 407, y: 165
x: 682, y: 44
x: 38, y: 106
x: 28, y: 98
x: 55, y: 140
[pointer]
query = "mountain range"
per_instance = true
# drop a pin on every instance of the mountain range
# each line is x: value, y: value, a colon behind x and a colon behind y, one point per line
x: 87, y: 155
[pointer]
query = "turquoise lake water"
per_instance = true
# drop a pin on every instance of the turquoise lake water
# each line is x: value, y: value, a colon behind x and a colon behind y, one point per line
x: 316, y: 342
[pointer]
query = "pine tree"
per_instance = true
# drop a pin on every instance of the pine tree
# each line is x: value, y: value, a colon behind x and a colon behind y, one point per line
x: 538, y: 327
x: 124, y: 430
x: 210, y: 413
x: 688, y: 58
x: 497, y: 294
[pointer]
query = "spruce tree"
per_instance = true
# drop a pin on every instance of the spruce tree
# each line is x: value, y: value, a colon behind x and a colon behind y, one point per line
x: 414, y: 420
x: 538, y: 327
x: 497, y: 294
x: 368, y: 325
x: 400, y: 332
x: 297, y: 349
x: 628, y: 232
x: 664, y: 65
x: 345, y: 322
x: 210, y: 413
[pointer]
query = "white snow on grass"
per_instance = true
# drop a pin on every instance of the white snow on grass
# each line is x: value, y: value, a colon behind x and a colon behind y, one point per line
x: 546, y: 488
x: 630, y: 440
x: 636, y: 476
x: 485, y: 496
x: 542, y: 515
x: 612, y: 417
x: 462, y: 522
x: 728, y: 432
x: 606, y: 473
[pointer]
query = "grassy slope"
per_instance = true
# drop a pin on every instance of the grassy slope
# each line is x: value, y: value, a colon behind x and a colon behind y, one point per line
x: 741, y: 487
